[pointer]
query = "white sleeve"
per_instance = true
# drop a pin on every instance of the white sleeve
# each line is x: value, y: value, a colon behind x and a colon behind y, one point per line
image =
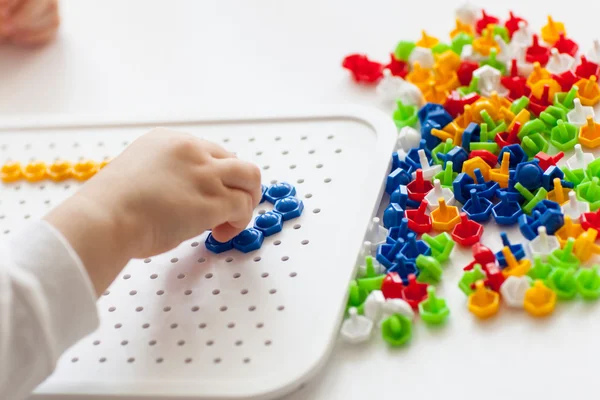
x: 47, y: 304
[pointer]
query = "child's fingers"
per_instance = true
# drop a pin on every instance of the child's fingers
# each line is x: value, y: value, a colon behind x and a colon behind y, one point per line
x: 31, y: 13
x: 238, y: 174
x: 225, y: 232
x: 33, y: 39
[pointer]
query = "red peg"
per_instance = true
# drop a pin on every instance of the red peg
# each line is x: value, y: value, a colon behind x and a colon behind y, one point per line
x: 586, y: 68
x: 512, y: 24
x: 590, y: 220
x: 415, y: 292
x: 455, y: 105
x: 537, y: 52
x: 566, y: 80
x: 484, y: 21
x: 397, y: 67
x: 418, y: 220
x: 419, y: 187
x: 567, y: 46
x: 537, y: 105
x: 467, y: 232
x: 392, y: 286
x: 465, y: 72
x: 489, y: 158
x: 516, y: 85
x: 495, y: 277
x: 483, y: 255
x: 363, y: 69
x: 507, y: 138
x: 546, y: 160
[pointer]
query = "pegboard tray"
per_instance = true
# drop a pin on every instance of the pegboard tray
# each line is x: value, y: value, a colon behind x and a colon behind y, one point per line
x: 192, y: 324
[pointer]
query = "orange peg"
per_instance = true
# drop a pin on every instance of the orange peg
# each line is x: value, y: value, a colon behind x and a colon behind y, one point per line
x: 84, y: 170
x: 539, y: 300
x: 588, y: 92
x: 501, y: 174
x: 514, y: 267
x: 433, y: 94
x: 569, y: 229
x: 12, y: 171
x: 60, y: 170
x: 522, y: 117
x: 585, y: 245
x: 35, y: 171
x: 481, y: 105
x: 444, y: 218
x: 538, y: 88
x: 460, y: 27
x: 486, y: 42
x: 537, y: 74
x: 445, y: 81
x: 552, y: 30
x: 483, y: 302
x: 589, y: 134
x: 427, y: 41
x: 499, y: 102
x: 448, y: 61
x: 559, y: 194
x: 474, y: 163
x: 419, y: 76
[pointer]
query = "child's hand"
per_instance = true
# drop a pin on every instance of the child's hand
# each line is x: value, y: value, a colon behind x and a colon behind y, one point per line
x: 165, y: 188
x: 28, y: 22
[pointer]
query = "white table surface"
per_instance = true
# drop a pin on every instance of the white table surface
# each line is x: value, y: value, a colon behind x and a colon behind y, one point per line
x: 143, y: 56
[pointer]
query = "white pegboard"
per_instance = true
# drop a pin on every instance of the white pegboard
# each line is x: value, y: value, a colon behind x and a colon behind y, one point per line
x: 192, y: 324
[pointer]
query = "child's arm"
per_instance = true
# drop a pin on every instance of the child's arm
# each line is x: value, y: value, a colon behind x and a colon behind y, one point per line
x: 165, y: 188
x: 28, y: 22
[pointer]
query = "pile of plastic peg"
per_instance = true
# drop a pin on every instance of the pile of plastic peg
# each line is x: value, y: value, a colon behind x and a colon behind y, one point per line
x: 483, y: 121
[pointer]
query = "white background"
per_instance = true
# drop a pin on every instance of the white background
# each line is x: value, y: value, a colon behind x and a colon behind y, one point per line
x: 144, y: 56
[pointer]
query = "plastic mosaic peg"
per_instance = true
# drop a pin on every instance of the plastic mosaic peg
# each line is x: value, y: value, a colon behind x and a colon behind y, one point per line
x: 433, y: 310
x: 513, y: 290
x: 357, y: 328
x: 539, y: 300
x: 396, y: 330
x: 483, y: 302
x: 588, y: 283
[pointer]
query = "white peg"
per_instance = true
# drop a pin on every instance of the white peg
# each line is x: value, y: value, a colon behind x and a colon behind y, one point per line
x: 357, y: 328
x: 578, y: 115
x: 467, y: 13
x: 408, y: 138
x: 489, y: 81
x: 543, y: 244
x: 423, y: 56
x: 506, y: 52
x: 513, y: 290
x: 373, y: 308
x: 593, y: 54
x: 396, y: 306
x: 393, y: 88
x: 429, y: 171
x: 580, y: 159
x: 377, y: 233
x: 468, y: 54
x: 522, y: 36
x: 438, y: 192
x: 559, y: 63
x: 574, y: 208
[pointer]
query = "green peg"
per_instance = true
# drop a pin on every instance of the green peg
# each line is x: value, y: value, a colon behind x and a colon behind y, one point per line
x: 405, y: 115
x: 396, y: 330
x: 565, y: 100
x: 531, y: 127
x: 459, y: 41
x: 593, y: 169
x: 403, y: 50
x: 501, y: 31
x: 472, y: 88
x: 540, y: 270
x: 590, y: 191
x: 501, y: 127
x: 356, y: 296
x: 564, y: 258
x: 487, y: 119
x: 440, y: 48
x: 575, y: 176
x: 493, y: 62
x: 588, y: 283
x: 430, y: 269
x: 483, y: 132
x: 563, y: 282
x: 442, y: 148
x: 469, y: 278
x: 519, y: 104
x: 534, y: 143
x: 531, y: 199
x: 551, y: 115
x: 371, y: 281
x: 447, y: 176
x: 441, y: 245
x: 433, y: 310
x: 489, y: 146
x: 564, y: 135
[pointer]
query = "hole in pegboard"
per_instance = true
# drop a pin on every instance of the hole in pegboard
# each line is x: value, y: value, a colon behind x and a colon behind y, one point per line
x: 112, y: 309
x: 293, y: 274
x: 268, y: 342
x: 96, y: 342
x: 297, y: 226
x: 285, y: 258
x: 216, y: 292
x: 124, y: 343
x: 330, y: 137
x: 159, y: 360
x: 152, y: 343
x: 285, y: 152
x: 236, y: 275
x: 195, y: 244
x: 153, y: 276
x: 266, y: 167
x: 280, y: 308
x: 208, y: 276
x: 246, y: 360
x: 133, y: 292
x: 259, y: 153
x: 277, y: 138
x: 102, y: 360
x: 106, y: 293
x: 338, y: 150
x: 252, y: 308
x: 319, y: 165
x: 160, y: 292
x: 174, y: 326
x: 277, y: 242
x: 264, y: 275
x: 308, y: 195
x: 311, y: 151
x: 305, y: 242
x: 272, y: 291
x: 180, y: 276
x: 100, y: 144
x: 293, y: 166
x: 327, y: 180
x: 257, y: 259
x: 303, y: 137
x: 187, y: 292
x: 131, y: 360
x: 145, y: 326
x: 201, y: 260
x: 75, y: 144
x: 260, y: 325
x: 223, y: 308
x: 261, y: 212
x: 238, y: 342
x: 202, y: 326
x: 126, y: 276
x: 225, y: 140
x: 174, y: 260
x: 273, y: 181
x: 181, y: 343
x: 188, y: 360
x: 251, y: 139
x: 147, y: 260
x: 244, y: 291
x: 74, y: 359
x: 118, y: 326
x: 195, y: 308
x: 231, y: 325
x: 166, y: 309
x: 300, y: 180
x: 229, y: 259
x: 210, y: 342
x: 139, y: 309
x: 217, y: 360
x: 316, y: 210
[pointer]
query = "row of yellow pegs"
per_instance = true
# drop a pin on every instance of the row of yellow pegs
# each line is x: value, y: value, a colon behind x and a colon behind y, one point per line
x: 58, y: 171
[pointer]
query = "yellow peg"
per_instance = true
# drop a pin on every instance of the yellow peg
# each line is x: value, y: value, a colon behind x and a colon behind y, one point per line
x: 589, y: 134
x: 585, y: 245
x: 559, y: 194
x: 502, y: 174
x: 483, y: 302
x: 445, y: 217
x: 12, y: 171
x: 419, y: 76
x: 537, y: 74
x: 434, y: 94
x: 539, y: 300
x: 461, y: 28
x: 552, y: 30
x: 514, y: 267
x: 427, y: 41
x: 569, y: 229
x: 486, y: 42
